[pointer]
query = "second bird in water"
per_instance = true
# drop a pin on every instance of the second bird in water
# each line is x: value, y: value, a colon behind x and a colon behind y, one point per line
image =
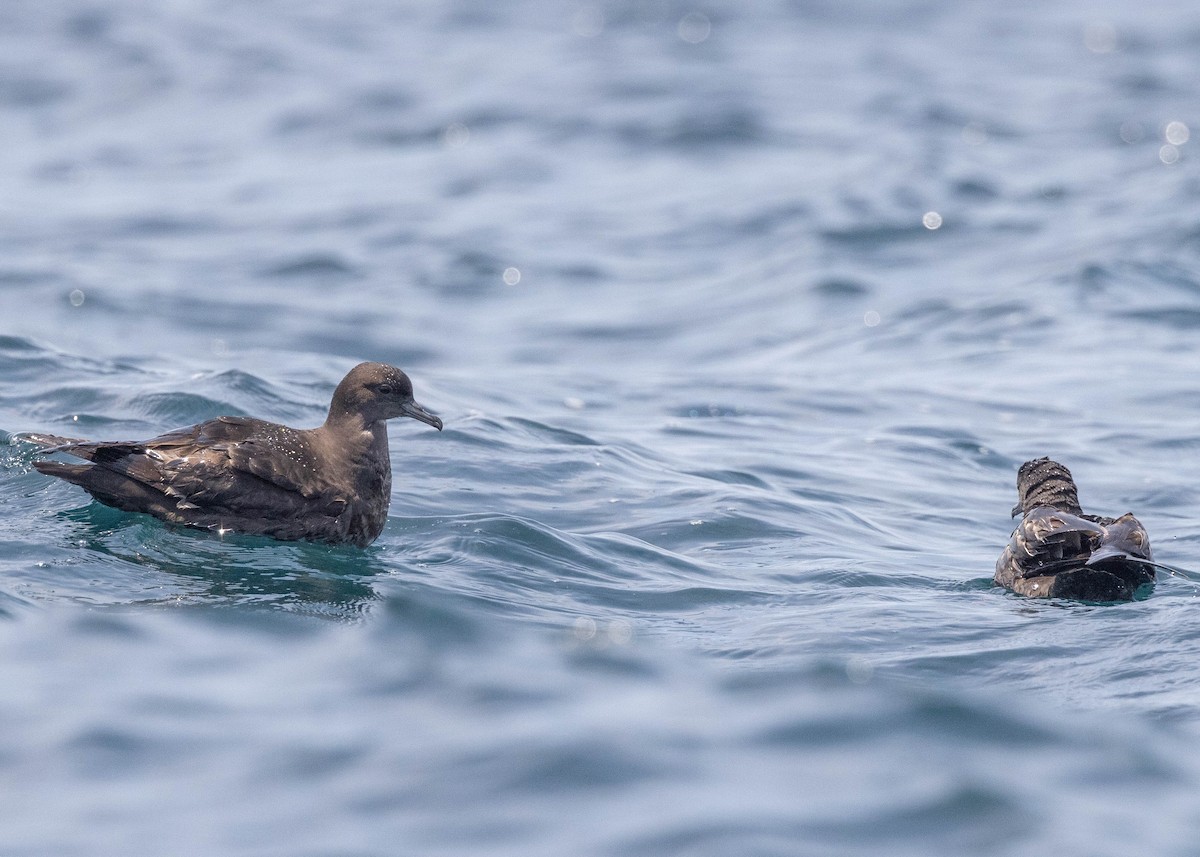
x: 1059, y: 552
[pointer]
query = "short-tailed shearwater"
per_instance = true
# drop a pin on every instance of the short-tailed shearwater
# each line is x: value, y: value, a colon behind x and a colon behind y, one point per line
x: 331, y: 483
x: 1059, y: 552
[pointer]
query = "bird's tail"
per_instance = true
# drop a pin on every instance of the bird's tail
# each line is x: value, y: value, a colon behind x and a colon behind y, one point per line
x: 76, y: 473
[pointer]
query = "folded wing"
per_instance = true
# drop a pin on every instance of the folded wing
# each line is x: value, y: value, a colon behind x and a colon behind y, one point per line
x: 1052, y: 552
x: 227, y: 467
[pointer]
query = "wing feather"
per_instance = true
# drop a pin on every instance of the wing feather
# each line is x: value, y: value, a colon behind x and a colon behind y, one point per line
x: 1052, y: 552
x: 234, y: 465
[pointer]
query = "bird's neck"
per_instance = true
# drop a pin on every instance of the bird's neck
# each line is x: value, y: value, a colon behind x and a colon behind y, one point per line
x: 350, y: 433
x: 1055, y: 492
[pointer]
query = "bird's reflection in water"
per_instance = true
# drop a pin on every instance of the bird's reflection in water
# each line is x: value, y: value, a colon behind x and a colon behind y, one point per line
x: 199, y: 567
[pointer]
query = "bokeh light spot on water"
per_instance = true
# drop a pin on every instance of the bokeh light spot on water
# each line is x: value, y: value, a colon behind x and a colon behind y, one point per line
x: 1132, y: 132
x: 974, y: 134
x: 588, y: 22
x: 1100, y: 37
x: 1168, y: 154
x: 456, y: 135
x: 871, y: 318
x: 511, y: 276
x: 77, y: 297
x: 931, y: 220
x: 859, y: 670
x: 584, y: 628
x: 694, y: 27
x: 620, y: 631
x: 1176, y: 133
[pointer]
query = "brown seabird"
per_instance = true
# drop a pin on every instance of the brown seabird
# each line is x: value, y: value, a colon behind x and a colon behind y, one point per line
x: 1059, y: 552
x: 331, y: 483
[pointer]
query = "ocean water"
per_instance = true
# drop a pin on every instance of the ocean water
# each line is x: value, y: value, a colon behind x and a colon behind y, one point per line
x: 740, y: 316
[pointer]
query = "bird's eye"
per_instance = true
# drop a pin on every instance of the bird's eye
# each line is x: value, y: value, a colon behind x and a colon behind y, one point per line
x: 386, y: 389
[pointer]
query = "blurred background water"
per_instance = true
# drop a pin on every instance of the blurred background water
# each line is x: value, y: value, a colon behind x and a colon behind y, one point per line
x: 741, y: 316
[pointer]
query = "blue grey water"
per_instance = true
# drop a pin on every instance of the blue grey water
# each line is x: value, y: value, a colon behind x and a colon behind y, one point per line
x: 741, y: 317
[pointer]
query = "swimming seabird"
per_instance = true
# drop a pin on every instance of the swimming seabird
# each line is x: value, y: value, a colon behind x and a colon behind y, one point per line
x: 331, y: 483
x: 1059, y: 552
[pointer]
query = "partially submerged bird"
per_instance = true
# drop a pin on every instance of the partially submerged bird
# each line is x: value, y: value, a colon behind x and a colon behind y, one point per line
x: 328, y: 484
x: 1059, y: 552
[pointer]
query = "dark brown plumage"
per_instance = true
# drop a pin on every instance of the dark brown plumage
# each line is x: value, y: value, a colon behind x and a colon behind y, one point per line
x: 1059, y: 552
x: 329, y: 484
